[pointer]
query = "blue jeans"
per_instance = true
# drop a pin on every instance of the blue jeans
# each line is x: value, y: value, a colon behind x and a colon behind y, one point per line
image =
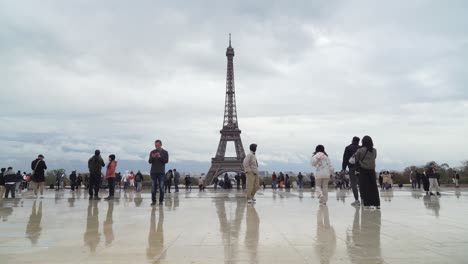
x: 157, y: 178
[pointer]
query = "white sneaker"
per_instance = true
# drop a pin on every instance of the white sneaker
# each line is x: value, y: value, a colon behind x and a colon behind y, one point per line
x: 250, y: 201
x: 356, y: 203
x: 253, y: 199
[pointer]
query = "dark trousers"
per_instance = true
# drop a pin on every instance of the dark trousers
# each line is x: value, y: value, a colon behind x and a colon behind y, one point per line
x: 111, y: 185
x: 353, y: 179
x: 94, y: 182
x: 72, y: 185
x: 368, y: 186
x: 10, y: 188
x: 157, y: 181
x: 418, y: 178
x: 167, y: 186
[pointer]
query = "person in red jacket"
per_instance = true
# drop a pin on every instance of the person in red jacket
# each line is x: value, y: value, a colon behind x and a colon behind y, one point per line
x: 110, y: 176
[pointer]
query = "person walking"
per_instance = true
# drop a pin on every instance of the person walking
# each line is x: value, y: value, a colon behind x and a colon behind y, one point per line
x: 79, y: 181
x: 365, y: 158
x: 38, y: 167
x: 323, y: 171
x: 433, y: 183
x: 73, y: 179
x: 10, y: 182
x: 457, y: 179
x: 274, y: 182
x: 188, y: 183
x: 300, y: 179
x: 215, y: 183
x: 251, y: 168
x: 176, y: 175
x: 238, y: 181
x: 168, y: 182
x: 348, y: 153
x: 139, y: 181
x: 18, y: 181
x: 158, y: 159
x: 95, y: 164
x: 110, y: 176
x: 201, y: 184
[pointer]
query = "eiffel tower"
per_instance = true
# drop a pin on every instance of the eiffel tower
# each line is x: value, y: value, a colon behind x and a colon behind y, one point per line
x: 230, y: 132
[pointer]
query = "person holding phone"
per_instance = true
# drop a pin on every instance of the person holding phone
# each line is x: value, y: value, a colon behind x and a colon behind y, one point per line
x: 158, y: 159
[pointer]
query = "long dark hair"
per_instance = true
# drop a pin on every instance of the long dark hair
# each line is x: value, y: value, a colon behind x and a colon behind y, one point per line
x: 112, y: 157
x: 320, y: 148
x: 368, y: 143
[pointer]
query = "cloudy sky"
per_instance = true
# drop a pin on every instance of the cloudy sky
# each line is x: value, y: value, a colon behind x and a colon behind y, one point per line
x: 116, y: 75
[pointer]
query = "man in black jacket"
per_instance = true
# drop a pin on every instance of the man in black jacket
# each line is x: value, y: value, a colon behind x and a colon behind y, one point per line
x: 73, y: 179
x: 38, y: 166
x: 348, y: 153
x: 95, y: 164
x: 158, y: 159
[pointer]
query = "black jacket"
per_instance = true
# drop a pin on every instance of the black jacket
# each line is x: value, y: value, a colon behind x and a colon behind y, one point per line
x: 348, y: 153
x: 39, y: 172
x: 73, y: 177
x: 139, y: 177
x: 95, y: 164
x: 158, y: 165
x: 10, y: 176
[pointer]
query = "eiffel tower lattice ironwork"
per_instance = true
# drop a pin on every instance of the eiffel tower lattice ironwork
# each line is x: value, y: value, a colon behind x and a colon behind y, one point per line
x: 230, y: 132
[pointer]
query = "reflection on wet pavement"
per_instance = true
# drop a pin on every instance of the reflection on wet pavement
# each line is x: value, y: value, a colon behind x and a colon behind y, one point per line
x: 219, y: 227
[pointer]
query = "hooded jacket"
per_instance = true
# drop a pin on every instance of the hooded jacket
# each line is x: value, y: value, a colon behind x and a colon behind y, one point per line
x: 322, y: 164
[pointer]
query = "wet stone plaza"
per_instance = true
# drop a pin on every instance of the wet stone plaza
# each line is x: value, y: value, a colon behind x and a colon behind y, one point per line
x: 219, y: 227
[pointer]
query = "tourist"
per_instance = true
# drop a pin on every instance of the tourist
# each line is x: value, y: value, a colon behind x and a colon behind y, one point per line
x: 201, y: 184
x: 2, y: 182
x: 125, y: 179
x: 131, y: 179
x: 238, y: 181
x: 79, y: 181
x: 72, y: 181
x: 215, y: 183
x: 95, y: 164
x: 110, y: 176
x: 10, y: 182
x: 227, y: 181
x: 274, y: 181
x: 251, y: 168
x: 58, y: 178
x: 323, y: 172
x: 18, y: 181
x: 38, y: 167
x: 139, y: 181
x: 413, y: 180
x: 425, y: 181
x: 365, y: 159
x: 168, y: 181
x: 432, y: 176
x: 176, y: 175
x: 300, y: 179
x: 419, y: 178
x: 287, y: 183
x: 86, y: 181
x: 188, y: 183
x: 457, y: 179
x: 281, y: 180
x: 312, y: 181
x: 349, y: 151
x: 158, y: 159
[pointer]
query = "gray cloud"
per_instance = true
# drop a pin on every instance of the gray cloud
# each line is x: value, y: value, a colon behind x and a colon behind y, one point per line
x: 116, y: 75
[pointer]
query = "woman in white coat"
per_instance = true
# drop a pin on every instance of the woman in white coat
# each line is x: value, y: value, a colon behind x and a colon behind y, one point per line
x: 323, y: 171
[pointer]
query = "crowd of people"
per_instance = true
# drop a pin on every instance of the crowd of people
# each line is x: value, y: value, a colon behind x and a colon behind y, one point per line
x: 357, y: 173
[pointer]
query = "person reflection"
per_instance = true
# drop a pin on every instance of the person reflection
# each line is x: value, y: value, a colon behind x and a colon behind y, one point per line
x: 252, y: 233
x: 107, y: 225
x: 432, y: 203
x: 363, y: 240
x: 5, y: 212
x: 326, y: 238
x: 33, y: 229
x: 155, y: 250
x: 91, y: 235
x: 138, y: 200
